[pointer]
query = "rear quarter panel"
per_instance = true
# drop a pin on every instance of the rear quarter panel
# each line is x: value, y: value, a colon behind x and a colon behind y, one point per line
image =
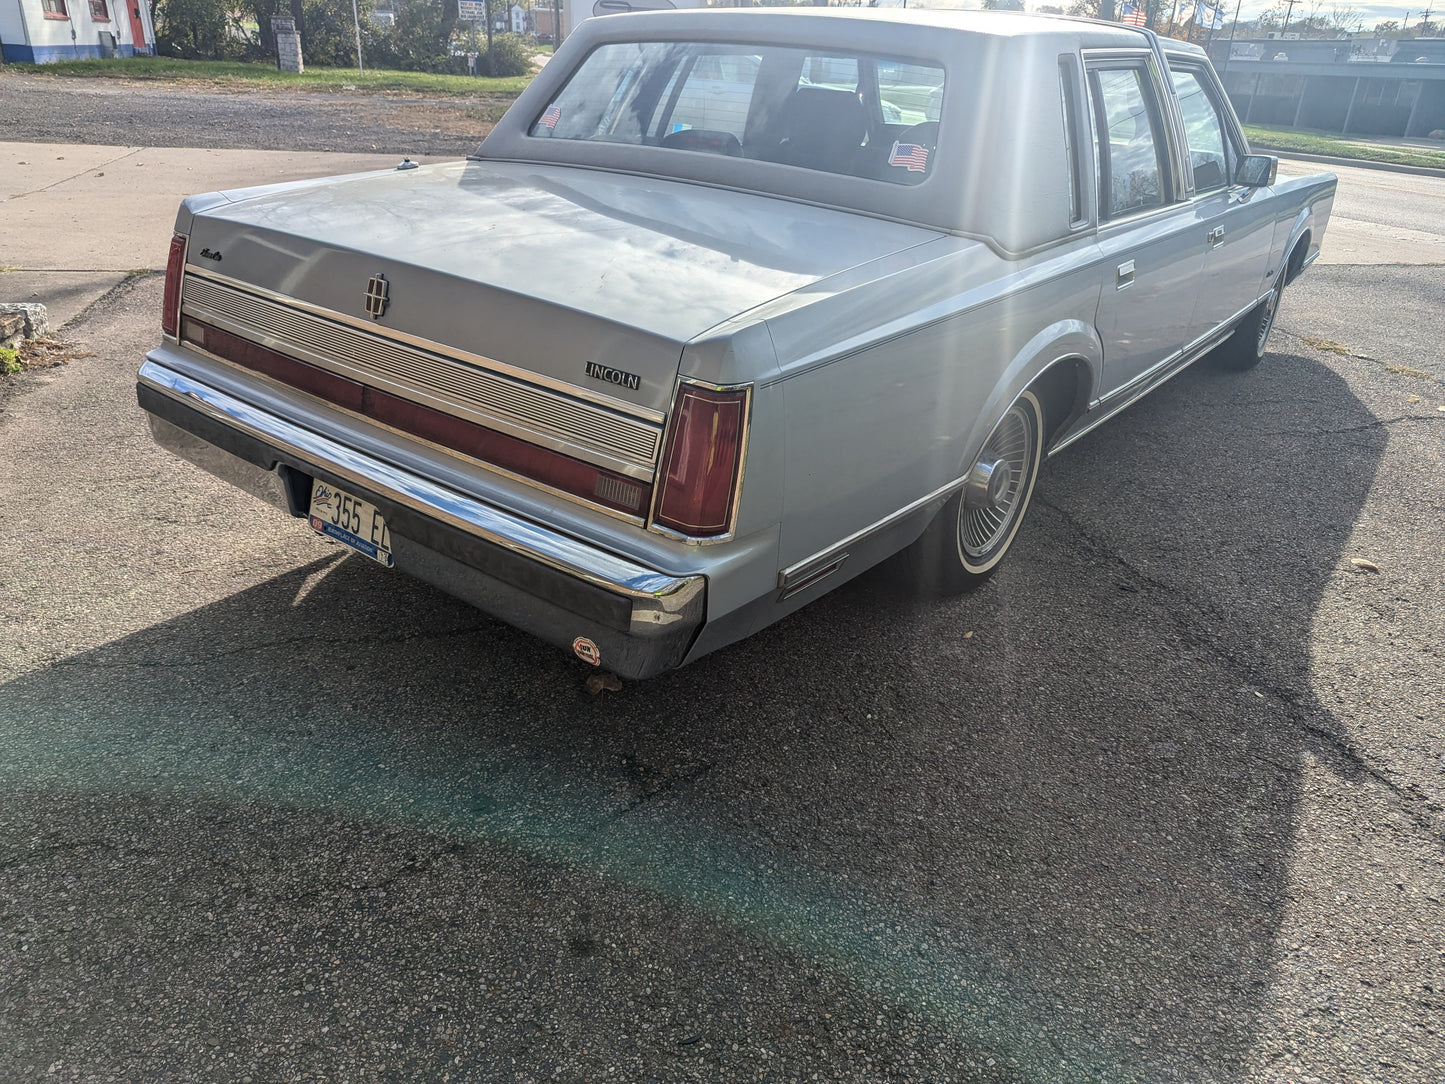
x: 890, y: 386
x: 1302, y: 205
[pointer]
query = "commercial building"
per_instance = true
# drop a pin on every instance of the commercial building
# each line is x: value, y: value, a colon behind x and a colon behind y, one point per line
x: 1388, y: 87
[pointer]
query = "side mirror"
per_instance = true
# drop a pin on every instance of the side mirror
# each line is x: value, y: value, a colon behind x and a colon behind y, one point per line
x: 1257, y: 170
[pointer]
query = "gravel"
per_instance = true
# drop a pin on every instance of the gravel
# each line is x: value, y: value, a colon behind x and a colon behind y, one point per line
x: 47, y: 109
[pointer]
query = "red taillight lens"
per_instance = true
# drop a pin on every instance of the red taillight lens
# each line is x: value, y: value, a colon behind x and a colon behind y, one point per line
x: 171, y: 306
x: 703, y: 461
x: 604, y: 487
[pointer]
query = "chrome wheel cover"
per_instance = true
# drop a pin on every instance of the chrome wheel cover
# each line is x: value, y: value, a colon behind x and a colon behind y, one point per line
x: 1266, y: 325
x: 998, y: 483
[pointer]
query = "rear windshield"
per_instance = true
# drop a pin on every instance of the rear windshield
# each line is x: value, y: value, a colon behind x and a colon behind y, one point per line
x: 863, y: 116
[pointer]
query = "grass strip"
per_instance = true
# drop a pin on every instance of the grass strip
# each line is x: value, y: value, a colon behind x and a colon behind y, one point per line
x: 232, y: 74
x: 1290, y: 139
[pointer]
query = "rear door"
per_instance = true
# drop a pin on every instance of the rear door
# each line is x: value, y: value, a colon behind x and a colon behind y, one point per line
x: 1153, y: 250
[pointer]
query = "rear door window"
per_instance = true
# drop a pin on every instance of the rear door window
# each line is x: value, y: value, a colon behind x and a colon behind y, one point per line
x: 1129, y: 138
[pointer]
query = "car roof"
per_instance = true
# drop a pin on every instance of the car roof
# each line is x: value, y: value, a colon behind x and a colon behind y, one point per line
x: 998, y: 143
x: 996, y: 24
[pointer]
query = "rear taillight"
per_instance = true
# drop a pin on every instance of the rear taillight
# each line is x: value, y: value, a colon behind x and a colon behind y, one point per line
x: 171, y: 306
x: 703, y: 461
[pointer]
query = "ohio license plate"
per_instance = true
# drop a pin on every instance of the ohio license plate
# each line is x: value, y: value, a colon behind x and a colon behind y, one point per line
x: 349, y: 519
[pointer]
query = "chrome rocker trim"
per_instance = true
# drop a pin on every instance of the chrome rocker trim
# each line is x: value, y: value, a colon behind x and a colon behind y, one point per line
x: 547, y: 583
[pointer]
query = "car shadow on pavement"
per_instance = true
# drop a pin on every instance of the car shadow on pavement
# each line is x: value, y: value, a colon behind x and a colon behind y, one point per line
x: 1042, y: 832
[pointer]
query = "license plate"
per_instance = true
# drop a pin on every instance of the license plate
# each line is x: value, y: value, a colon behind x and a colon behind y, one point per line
x: 349, y: 519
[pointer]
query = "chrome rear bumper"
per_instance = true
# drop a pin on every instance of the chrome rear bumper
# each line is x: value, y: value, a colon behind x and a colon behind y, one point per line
x: 542, y: 581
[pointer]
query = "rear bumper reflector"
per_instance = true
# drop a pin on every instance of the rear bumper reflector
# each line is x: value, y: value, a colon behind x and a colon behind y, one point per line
x: 591, y: 483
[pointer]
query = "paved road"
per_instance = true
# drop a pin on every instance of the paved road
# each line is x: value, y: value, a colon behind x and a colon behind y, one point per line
x: 1174, y: 811
x: 1381, y: 217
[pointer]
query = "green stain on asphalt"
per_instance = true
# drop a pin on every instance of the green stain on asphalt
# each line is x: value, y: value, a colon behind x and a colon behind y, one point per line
x: 455, y: 782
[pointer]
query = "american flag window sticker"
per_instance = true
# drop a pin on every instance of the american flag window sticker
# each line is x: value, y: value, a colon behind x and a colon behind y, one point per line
x: 551, y: 117
x: 911, y: 156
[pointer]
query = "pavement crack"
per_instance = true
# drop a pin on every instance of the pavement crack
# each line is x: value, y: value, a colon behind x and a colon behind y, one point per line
x: 1419, y: 807
x: 665, y: 786
x: 89, y: 169
x: 414, y: 866
x: 211, y: 658
x: 135, y: 272
x: 56, y: 848
x: 1379, y: 423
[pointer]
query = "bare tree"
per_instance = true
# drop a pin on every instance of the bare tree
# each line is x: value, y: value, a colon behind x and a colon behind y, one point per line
x: 1344, y: 16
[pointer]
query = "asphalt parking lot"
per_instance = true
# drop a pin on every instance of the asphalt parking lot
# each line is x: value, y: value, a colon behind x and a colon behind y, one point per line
x: 1164, y: 802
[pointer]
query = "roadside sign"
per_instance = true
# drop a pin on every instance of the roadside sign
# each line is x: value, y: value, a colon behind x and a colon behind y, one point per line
x: 474, y: 11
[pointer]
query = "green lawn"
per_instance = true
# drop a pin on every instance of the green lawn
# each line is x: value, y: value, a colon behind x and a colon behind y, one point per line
x: 227, y: 73
x: 1307, y: 142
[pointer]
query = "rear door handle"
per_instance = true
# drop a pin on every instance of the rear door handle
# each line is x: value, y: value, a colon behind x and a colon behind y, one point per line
x: 1125, y: 275
x: 1216, y: 236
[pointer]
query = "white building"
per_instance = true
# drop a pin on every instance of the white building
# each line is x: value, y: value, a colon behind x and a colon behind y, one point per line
x: 42, y: 31
x: 574, y: 11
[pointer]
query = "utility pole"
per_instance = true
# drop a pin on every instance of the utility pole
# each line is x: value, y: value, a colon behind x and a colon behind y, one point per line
x: 1232, y: 30
x: 356, y: 20
x: 1288, y: 8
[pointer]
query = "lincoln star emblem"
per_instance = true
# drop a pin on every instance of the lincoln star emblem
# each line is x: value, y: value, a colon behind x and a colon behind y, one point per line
x: 376, y: 296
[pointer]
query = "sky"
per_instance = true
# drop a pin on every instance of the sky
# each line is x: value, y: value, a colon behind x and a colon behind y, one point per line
x: 1367, y: 13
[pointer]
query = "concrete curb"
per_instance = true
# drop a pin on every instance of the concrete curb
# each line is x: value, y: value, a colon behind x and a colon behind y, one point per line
x: 1358, y: 163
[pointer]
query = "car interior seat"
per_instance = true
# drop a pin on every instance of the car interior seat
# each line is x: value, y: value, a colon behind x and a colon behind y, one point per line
x: 823, y: 128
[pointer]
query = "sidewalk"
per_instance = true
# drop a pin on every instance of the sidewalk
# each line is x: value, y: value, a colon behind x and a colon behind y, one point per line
x: 75, y: 220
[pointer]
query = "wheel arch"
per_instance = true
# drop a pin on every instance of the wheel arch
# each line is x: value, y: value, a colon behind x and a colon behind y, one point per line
x: 1064, y: 390
x: 1063, y: 364
x: 1292, y: 254
x: 1295, y: 259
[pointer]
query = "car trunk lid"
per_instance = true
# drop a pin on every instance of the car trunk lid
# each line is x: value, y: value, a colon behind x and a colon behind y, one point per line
x: 542, y: 269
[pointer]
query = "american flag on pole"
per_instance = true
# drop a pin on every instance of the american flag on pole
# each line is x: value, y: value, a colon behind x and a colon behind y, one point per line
x: 911, y: 156
x: 1128, y: 13
x: 551, y: 117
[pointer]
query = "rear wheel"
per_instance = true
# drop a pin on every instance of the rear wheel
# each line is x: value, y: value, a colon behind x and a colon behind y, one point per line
x: 965, y: 543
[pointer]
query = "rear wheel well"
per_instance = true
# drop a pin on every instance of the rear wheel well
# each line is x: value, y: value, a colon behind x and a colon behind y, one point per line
x: 1063, y: 392
x: 1297, y: 258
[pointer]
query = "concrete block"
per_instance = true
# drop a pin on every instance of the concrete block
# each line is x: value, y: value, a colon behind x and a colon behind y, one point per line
x: 36, y: 320
x: 12, y: 329
x: 288, y: 44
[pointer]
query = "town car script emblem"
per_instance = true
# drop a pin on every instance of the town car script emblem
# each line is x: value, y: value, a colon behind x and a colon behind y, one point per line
x: 377, y: 295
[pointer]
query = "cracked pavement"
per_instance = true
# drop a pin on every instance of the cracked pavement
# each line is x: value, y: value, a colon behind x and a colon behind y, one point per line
x: 1173, y: 811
